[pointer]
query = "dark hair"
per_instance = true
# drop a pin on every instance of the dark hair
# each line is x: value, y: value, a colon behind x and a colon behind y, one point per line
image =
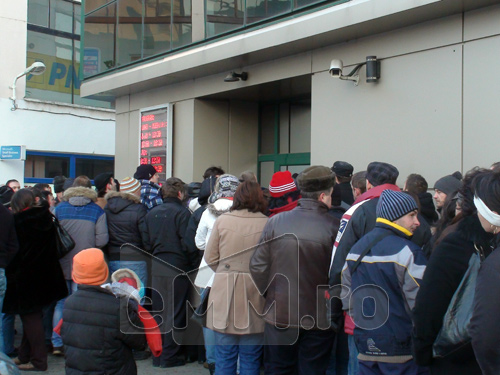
x: 82, y: 181
x: 249, y: 196
x: 172, y: 187
x: 465, y: 192
x: 40, y: 186
x: 9, y: 181
x: 486, y: 186
x: 315, y: 194
x: 415, y: 198
x: 46, y: 194
x: 343, y: 179
x: 416, y: 184
x: 213, y: 172
x: 495, y: 166
x: 37, y: 193
x: 24, y: 198
x: 447, y: 214
x: 359, y: 181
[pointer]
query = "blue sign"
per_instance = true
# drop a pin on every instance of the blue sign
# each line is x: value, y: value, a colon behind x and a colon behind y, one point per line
x: 13, y: 152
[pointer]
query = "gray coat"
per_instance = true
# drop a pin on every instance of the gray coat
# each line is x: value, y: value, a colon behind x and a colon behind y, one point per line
x: 84, y: 220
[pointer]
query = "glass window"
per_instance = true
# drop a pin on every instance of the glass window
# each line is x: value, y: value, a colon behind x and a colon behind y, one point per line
x: 45, y: 166
x: 266, y: 172
x: 91, y: 5
x: 61, y: 16
x: 258, y: 10
x: 303, y: 3
x: 99, y: 41
x: 300, y: 127
x: 38, y: 12
x: 224, y: 16
x: 93, y: 167
x: 61, y: 75
x: 129, y: 32
x: 157, y: 30
x: 78, y: 20
x: 181, y: 30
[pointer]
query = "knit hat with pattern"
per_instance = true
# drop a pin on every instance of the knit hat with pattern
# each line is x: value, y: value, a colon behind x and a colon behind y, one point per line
x: 129, y: 185
x: 281, y: 183
x: 395, y: 204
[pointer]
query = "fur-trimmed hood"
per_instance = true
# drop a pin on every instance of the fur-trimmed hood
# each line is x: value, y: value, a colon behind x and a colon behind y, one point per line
x: 79, y: 191
x: 79, y: 196
x: 127, y: 196
x: 220, y: 206
x: 118, y: 201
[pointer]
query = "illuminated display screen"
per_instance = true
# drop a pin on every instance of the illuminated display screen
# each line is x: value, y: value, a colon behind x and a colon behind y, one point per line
x: 154, y: 139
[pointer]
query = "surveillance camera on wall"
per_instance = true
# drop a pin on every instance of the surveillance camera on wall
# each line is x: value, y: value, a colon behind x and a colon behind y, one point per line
x: 336, y: 67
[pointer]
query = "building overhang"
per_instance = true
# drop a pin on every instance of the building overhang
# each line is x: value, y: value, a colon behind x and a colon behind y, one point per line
x: 337, y: 24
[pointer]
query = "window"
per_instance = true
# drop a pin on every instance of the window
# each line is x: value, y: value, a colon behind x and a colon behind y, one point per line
x: 54, y: 39
x: 43, y: 166
x: 123, y: 31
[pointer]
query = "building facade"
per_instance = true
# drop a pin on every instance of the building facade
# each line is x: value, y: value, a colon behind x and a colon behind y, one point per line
x: 433, y: 111
x: 63, y: 134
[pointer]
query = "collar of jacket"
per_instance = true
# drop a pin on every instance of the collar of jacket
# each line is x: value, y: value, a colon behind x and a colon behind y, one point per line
x: 375, y: 192
x: 97, y: 288
x: 394, y: 227
x: 147, y: 182
x: 288, y: 207
x: 309, y: 204
x: 172, y: 200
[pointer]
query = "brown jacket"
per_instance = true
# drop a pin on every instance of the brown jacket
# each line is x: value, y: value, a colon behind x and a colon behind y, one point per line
x: 291, y: 265
x: 230, y: 247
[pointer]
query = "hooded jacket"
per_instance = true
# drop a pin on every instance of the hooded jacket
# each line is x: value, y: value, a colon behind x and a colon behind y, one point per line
x: 205, y: 275
x: 99, y: 331
x: 84, y: 220
x: 427, y: 208
x: 125, y: 217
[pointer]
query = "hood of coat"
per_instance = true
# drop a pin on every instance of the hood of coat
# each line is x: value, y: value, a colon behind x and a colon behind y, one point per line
x: 220, y: 206
x: 118, y: 201
x: 427, y: 207
x: 79, y: 196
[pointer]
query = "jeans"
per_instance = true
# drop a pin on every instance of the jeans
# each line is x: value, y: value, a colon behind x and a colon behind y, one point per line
x: 248, y: 348
x: 8, y: 332
x: 58, y: 313
x: 209, y: 337
x: 3, y: 288
x: 139, y: 267
x: 353, y: 356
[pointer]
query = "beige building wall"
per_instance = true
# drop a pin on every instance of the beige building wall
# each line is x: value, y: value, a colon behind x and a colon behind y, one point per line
x: 435, y: 109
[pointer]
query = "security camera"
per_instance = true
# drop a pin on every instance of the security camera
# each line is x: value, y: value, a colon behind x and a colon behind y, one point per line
x: 336, y: 67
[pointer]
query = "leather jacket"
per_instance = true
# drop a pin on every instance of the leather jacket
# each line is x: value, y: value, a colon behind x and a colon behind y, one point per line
x: 290, y: 265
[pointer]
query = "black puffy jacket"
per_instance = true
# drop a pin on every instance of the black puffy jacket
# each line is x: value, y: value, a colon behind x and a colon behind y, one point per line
x: 291, y: 263
x: 125, y: 216
x: 166, y: 228
x: 99, y: 331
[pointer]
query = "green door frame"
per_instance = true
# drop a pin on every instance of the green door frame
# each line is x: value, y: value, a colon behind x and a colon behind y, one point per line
x: 299, y: 158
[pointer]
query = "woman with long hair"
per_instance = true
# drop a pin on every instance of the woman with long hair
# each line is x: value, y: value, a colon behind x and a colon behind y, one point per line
x: 34, y: 277
x: 484, y: 327
x: 238, y: 328
x: 446, y: 268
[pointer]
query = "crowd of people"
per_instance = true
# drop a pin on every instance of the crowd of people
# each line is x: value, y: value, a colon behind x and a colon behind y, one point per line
x: 322, y: 272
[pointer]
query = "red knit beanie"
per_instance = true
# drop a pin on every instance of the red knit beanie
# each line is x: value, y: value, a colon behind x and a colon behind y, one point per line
x: 281, y: 183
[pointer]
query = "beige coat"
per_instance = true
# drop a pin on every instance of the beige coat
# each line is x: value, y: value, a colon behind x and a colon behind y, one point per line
x: 232, y: 243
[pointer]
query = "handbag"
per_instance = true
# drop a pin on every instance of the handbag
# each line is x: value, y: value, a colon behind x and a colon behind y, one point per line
x: 455, y: 332
x: 64, y: 242
x: 200, y: 314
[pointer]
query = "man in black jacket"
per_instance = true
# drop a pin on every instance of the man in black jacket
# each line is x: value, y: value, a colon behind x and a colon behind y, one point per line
x: 166, y: 227
x: 297, y: 335
x: 99, y: 330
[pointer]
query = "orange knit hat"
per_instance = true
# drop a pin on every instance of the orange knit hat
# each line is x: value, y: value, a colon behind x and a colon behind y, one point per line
x: 89, y: 267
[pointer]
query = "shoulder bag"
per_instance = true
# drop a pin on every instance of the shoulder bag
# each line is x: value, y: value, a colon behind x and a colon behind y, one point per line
x: 63, y: 239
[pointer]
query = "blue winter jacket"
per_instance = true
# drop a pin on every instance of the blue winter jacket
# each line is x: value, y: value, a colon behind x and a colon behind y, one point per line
x: 382, y: 291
